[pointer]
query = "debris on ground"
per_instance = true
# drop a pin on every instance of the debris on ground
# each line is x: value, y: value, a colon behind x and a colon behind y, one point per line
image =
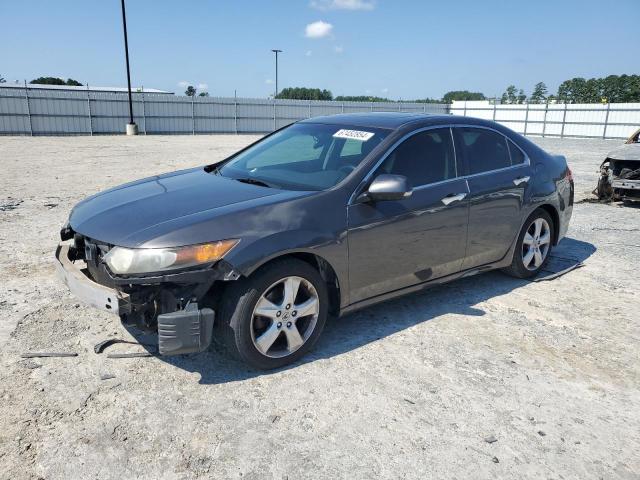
x: 102, y: 346
x: 48, y: 354
x: 10, y: 204
x: 130, y: 355
x: 555, y: 275
x: 491, y: 439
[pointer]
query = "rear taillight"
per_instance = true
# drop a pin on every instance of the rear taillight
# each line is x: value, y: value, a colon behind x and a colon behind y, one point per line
x: 569, y: 175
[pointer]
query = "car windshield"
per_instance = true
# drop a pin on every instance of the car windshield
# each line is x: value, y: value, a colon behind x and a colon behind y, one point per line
x: 304, y: 156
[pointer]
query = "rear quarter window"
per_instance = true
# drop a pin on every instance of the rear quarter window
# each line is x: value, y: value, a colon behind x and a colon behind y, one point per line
x: 517, y: 156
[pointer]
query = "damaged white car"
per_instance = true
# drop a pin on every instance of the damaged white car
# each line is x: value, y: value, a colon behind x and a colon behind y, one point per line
x: 620, y: 172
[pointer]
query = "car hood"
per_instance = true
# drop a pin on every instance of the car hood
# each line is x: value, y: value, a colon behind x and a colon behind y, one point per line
x: 122, y: 215
x: 630, y: 151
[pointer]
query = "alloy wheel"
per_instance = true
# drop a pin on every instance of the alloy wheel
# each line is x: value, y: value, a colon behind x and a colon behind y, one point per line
x: 285, y: 317
x: 536, y: 244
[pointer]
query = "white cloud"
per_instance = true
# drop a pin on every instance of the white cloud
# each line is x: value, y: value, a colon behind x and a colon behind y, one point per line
x: 385, y: 90
x: 268, y: 81
x: 343, y: 4
x: 202, y: 87
x: 318, y: 29
x: 183, y: 83
x: 308, y: 53
x: 338, y: 49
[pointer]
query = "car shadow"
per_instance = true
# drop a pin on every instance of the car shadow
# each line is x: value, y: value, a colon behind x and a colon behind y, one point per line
x: 371, y: 324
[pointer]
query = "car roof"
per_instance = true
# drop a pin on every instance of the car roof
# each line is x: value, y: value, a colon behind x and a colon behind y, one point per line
x: 393, y: 120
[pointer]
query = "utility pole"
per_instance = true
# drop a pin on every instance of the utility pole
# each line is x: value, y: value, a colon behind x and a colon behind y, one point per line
x: 132, y: 128
x: 276, y: 51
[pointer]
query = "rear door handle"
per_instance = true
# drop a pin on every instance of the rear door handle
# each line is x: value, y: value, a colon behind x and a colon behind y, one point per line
x: 453, y: 198
x: 519, y: 180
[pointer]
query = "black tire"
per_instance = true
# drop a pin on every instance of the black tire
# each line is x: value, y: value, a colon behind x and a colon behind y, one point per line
x: 517, y: 268
x: 235, y: 314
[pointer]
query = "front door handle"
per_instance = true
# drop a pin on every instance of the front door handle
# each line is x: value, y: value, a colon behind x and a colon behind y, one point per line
x: 519, y: 180
x: 453, y: 198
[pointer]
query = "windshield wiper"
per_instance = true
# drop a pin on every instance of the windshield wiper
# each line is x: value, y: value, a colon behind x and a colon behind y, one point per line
x: 254, y: 181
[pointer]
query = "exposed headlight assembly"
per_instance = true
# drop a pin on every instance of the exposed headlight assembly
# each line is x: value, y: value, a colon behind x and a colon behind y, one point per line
x: 126, y: 261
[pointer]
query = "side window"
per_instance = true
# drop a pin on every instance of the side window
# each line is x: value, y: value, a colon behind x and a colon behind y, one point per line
x: 517, y: 157
x: 484, y: 150
x: 424, y: 158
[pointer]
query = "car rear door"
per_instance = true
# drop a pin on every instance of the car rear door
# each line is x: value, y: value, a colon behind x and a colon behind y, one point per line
x: 396, y: 244
x: 498, y: 176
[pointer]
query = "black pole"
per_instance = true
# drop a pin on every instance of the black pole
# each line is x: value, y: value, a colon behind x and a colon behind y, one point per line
x: 126, y: 54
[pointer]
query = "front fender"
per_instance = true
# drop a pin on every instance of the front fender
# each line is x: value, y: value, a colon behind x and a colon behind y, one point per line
x: 248, y: 257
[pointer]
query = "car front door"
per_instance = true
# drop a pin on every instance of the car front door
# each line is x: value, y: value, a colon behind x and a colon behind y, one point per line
x: 398, y: 243
x: 498, y: 175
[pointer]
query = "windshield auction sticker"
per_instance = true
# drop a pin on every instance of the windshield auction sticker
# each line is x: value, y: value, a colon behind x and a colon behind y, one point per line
x: 354, y: 135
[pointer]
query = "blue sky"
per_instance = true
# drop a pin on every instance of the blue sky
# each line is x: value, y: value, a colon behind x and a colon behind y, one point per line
x: 397, y: 48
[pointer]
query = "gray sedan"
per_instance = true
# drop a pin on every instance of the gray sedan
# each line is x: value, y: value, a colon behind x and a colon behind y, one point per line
x: 319, y: 218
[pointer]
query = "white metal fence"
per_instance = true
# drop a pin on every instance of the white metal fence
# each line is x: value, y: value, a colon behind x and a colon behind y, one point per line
x: 31, y: 111
x: 611, y: 120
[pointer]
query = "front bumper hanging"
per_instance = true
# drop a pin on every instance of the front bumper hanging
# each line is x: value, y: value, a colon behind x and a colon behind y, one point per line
x: 188, y: 330
x: 96, y: 295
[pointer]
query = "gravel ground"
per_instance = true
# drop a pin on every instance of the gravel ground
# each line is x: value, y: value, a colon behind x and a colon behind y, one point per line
x: 487, y: 377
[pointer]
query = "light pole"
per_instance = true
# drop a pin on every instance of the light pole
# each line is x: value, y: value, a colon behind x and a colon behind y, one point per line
x: 276, y: 51
x: 132, y: 128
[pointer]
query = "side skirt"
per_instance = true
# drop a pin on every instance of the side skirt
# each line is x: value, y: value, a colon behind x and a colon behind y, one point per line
x: 425, y: 285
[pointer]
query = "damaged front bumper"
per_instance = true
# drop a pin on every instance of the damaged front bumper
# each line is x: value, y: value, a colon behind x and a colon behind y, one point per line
x: 626, y: 189
x: 85, y: 289
x: 167, y: 304
x: 619, y: 180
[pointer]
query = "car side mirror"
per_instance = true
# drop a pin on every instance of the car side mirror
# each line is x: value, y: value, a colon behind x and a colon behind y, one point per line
x: 387, y: 187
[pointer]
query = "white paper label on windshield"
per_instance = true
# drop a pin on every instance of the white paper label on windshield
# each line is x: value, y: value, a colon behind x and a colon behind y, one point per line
x: 354, y: 135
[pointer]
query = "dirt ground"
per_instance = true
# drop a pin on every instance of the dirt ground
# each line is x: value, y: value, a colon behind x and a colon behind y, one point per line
x: 418, y: 387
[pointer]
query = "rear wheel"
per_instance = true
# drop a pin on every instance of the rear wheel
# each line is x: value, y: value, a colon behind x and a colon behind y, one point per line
x: 275, y: 316
x: 533, y: 246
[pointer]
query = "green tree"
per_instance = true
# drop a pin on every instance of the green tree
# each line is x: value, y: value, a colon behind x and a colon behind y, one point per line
x: 190, y: 91
x: 2, y: 80
x: 48, y: 81
x: 522, y: 97
x: 428, y: 100
x: 449, y: 97
x: 304, y: 93
x: 360, y: 98
x: 620, y: 88
x: 578, y: 90
x: 539, y: 94
x: 55, y: 81
x: 510, y: 95
x: 203, y: 94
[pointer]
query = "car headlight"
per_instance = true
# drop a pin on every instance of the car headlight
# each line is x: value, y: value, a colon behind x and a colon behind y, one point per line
x: 147, y: 260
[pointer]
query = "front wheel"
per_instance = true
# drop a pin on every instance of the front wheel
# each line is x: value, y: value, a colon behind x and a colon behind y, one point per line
x: 533, y: 246
x: 276, y: 315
